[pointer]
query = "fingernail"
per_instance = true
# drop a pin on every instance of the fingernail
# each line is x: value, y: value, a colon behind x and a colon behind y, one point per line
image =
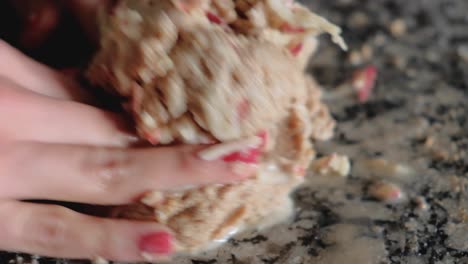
x: 246, y: 150
x: 248, y: 156
x: 264, y: 136
x: 155, y: 245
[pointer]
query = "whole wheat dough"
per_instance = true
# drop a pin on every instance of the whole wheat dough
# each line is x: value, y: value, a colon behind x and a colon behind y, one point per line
x: 216, y: 72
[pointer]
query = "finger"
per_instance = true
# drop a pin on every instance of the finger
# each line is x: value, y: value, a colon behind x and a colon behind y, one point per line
x: 31, y: 116
x: 55, y: 231
x: 37, y: 77
x: 39, y: 17
x: 86, y: 13
x: 108, y: 176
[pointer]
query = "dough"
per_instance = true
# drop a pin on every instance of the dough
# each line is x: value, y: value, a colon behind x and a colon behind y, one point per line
x: 218, y: 72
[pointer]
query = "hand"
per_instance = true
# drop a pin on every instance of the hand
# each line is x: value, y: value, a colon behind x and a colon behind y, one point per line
x: 54, y: 146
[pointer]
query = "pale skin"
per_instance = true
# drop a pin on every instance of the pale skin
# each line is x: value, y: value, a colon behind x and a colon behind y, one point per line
x: 56, y: 146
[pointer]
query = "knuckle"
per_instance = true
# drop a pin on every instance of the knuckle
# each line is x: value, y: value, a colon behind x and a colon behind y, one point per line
x: 109, y: 169
x: 47, y: 230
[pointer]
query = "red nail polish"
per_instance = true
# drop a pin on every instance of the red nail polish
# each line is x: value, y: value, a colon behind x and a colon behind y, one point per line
x: 295, y: 49
x: 264, y: 136
x: 243, y: 109
x: 364, y: 82
x: 157, y: 243
x: 214, y: 18
x: 247, y: 150
x: 250, y: 155
x: 247, y: 156
x: 152, y: 137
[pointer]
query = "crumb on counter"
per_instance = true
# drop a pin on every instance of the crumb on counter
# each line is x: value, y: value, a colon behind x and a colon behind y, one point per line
x: 100, y: 260
x: 385, y: 168
x: 386, y: 192
x: 334, y: 165
x: 398, y: 27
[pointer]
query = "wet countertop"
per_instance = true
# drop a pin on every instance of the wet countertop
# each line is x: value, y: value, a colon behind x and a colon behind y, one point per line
x: 411, y: 135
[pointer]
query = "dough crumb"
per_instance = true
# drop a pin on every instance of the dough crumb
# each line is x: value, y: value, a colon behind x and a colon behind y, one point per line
x: 100, y: 260
x: 333, y: 165
x: 386, y: 192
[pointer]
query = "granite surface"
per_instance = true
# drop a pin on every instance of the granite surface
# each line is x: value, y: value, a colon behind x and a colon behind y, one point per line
x: 412, y: 134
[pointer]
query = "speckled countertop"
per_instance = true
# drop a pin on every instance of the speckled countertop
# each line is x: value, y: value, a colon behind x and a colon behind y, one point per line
x: 412, y: 133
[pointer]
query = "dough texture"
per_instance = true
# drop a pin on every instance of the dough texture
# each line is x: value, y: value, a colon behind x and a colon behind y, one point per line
x: 218, y: 72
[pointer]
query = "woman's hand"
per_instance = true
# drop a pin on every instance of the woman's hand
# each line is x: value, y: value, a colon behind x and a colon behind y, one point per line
x: 54, y: 146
